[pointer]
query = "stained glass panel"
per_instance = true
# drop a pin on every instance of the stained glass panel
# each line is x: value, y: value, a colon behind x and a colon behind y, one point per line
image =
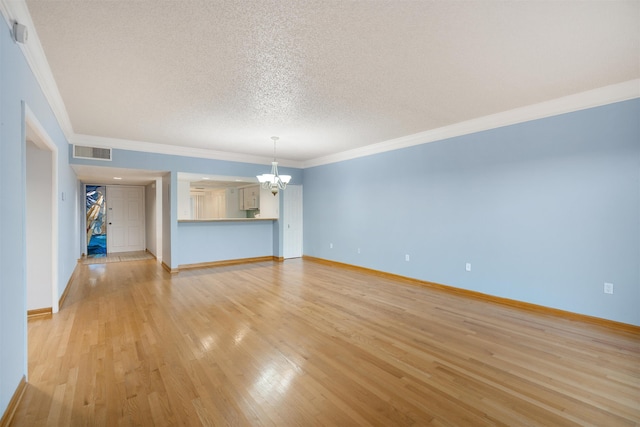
x: 96, y: 225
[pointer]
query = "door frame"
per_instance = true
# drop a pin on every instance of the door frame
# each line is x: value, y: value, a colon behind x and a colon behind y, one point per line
x: 44, y: 142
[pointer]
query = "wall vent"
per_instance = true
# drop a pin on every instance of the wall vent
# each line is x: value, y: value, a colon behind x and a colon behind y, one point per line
x: 95, y: 153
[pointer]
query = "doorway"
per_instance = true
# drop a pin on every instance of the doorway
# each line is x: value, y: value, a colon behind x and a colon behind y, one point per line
x: 115, y: 220
x: 41, y: 216
x: 292, y: 220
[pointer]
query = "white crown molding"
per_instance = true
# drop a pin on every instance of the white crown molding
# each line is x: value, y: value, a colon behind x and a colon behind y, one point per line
x: 174, y: 150
x: 567, y: 104
x: 16, y: 10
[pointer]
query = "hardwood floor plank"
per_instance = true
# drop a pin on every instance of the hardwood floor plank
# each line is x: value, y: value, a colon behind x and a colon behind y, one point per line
x: 302, y: 343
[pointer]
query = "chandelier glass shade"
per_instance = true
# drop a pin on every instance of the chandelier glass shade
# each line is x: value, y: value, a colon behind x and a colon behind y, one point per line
x: 274, y: 181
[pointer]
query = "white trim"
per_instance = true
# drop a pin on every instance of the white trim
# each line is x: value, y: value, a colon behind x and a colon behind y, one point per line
x: 83, y: 216
x: 175, y: 150
x: 158, y: 230
x: 567, y: 104
x: 32, y: 122
x: 16, y: 10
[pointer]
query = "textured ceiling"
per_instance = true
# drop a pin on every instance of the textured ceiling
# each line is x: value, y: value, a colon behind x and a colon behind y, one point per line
x: 326, y: 76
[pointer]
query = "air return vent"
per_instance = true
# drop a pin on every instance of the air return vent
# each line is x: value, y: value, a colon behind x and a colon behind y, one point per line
x: 84, y: 152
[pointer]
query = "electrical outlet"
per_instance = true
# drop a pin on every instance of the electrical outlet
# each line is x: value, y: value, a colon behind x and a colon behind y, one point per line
x: 468, y: 266
x: 358, y: 250
x: 608, y: 288
x: 330, y: 245
x: 406, y: 257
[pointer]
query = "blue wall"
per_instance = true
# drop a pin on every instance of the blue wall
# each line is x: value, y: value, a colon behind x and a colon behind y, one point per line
x: 545, y: 211
x: 200, y: 242
x: 19, y: 88
x: 170, y: 163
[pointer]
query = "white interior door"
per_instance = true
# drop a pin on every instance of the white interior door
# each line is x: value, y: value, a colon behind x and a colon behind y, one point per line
x: 125, y: 218
x: 292, y: 220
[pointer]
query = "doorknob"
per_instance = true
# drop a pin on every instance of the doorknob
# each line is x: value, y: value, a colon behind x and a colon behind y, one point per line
x: 109, y: 223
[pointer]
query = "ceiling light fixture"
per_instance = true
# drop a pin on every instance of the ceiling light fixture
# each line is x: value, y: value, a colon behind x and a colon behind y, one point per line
x: 273, y: 181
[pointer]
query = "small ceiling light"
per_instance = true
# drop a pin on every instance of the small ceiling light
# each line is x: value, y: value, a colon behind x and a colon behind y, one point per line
x: 117, y: 177
x: 273, y: 181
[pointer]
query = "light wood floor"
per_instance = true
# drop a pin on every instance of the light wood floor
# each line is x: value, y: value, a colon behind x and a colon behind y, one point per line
x: 118, y: 257
x: 302, y: 344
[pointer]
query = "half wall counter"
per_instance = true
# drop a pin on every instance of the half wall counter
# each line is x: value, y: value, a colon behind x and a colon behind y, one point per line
x: 209, y: 242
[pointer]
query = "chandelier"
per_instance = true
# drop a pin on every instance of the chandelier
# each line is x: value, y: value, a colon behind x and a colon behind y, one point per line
x: 273, y: 181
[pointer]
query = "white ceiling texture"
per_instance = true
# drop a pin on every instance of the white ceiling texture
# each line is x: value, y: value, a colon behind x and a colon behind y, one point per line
x: 325, y: 76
